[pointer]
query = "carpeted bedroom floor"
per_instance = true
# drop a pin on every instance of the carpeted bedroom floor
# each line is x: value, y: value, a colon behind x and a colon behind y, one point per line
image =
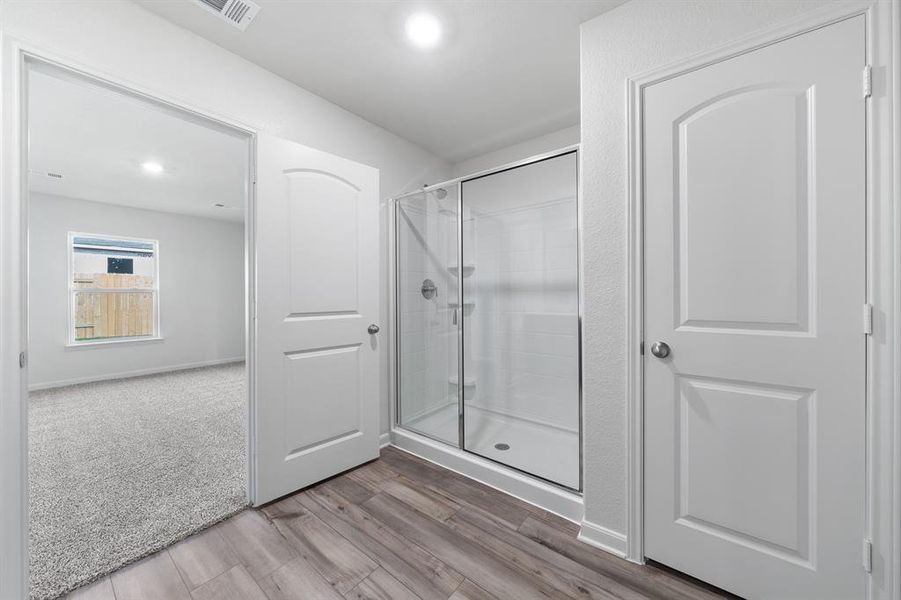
x: 120, y: 469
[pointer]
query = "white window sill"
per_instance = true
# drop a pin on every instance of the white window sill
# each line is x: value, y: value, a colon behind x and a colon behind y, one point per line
x: 113, y: 342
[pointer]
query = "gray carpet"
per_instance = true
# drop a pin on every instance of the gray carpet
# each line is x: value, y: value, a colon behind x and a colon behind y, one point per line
x: 119, y: 469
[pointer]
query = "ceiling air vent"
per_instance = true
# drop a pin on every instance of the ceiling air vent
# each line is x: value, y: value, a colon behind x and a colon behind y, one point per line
x: 237, y: 12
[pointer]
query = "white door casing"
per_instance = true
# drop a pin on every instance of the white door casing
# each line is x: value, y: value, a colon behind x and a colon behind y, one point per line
x: 317, y: 402
x: 755, y: 207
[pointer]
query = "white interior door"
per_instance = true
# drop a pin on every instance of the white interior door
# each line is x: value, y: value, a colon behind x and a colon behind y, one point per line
x: 755, y: 277
x: 317, y: 373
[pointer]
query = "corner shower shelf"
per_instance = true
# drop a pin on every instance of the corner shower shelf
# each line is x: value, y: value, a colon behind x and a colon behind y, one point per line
x: 467, y: 270
x: 467, y: 381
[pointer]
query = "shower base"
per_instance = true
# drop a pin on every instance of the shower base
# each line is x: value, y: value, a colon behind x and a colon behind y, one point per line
x: 543, y: 451
x: 536, y: 451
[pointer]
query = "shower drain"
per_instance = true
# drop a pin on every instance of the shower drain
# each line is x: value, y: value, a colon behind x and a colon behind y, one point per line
x: 502, y: 446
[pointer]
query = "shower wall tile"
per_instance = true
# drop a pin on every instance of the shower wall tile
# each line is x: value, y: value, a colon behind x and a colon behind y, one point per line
x: 523, y: 334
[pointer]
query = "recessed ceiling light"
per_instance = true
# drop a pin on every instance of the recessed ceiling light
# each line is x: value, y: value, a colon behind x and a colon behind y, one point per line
x: 423, y: 30
x: 152, y: 167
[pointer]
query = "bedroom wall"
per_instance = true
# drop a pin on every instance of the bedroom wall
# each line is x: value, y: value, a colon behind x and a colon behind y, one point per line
x: 201, y: 270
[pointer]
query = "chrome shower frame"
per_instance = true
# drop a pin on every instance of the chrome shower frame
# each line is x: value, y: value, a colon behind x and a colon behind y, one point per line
x: 394, y: 307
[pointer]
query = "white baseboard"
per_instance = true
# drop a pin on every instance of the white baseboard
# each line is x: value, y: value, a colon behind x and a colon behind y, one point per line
x: 384, y: 440
x: 603, y: 538
x: 137, y: 373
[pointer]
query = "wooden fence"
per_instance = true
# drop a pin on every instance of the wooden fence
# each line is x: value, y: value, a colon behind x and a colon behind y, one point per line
x: 101, y: 314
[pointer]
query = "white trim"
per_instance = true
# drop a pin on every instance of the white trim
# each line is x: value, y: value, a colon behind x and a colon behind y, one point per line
x: 135, y: 373
x: 887, y: 498
x: 634, y: 334
x: 891, y: 470
x: 884, y: 244
x: 603, y: 538
x: 384, y: 440
x: 120, y: 341
x: 551, y: 498
x: 13, y: 281
x: 13, y: 417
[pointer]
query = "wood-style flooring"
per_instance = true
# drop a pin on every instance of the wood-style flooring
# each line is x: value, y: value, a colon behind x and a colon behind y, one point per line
x: 398, y: 528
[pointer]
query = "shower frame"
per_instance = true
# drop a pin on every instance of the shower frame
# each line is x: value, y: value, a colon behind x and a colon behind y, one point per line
x: 547, y: 494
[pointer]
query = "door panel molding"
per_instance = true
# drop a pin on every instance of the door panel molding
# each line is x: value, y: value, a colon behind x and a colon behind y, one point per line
x: 883, y: 40
x: 317, y: 413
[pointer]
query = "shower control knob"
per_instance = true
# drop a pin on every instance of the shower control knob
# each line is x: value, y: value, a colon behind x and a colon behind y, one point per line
x: 373, y: 328
x: 660, y: 349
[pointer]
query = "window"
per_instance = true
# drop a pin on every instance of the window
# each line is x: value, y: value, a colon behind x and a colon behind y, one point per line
x: 113, y: 289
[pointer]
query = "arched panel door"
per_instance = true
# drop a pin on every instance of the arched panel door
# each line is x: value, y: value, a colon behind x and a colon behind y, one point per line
x: 317, y: 380
x: 755, y: 237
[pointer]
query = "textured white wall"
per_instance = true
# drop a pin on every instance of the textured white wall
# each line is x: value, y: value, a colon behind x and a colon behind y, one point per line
x: 201, y: 266
x: 625, y: 42
x: 127, y: 42
x: 539, y: 145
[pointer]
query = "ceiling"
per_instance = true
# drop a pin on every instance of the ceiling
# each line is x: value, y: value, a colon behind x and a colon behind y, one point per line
x: 506, y: 71
x: 97, y: 139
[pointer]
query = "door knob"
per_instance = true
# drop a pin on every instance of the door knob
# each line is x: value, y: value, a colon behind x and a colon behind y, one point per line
x: 660, y: 349
x: 373, y: 328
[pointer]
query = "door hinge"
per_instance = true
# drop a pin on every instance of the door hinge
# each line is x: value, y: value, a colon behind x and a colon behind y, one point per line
x: 867, y: 81
x: 868, y: 319
x: 641, y: 348
x: 868, y: 556
x: 23, y: 359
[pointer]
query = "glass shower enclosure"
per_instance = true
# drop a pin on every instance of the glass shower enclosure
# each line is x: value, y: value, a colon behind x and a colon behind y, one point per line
x: 488, y: 332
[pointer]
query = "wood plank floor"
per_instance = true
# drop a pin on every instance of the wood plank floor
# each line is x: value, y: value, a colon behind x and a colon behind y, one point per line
x: 395, y: 529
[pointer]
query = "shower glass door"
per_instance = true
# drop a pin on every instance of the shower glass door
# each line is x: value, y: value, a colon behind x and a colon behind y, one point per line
x: 428, y: 313
x: 493, y: 370
x: 521, y: 361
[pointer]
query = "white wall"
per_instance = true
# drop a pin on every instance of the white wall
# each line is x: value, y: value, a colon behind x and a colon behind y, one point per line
x: 625, y: 42
x: 201, y: 269
x: 545, y: 143
x: 124, y: 41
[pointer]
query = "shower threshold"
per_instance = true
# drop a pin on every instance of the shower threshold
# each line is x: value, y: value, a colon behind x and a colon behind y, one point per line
x: 538, y: 449
x: 487, y: 464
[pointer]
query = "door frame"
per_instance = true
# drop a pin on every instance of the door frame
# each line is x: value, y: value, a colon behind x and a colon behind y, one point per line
x: 883, y: 200
x: 15, y: 55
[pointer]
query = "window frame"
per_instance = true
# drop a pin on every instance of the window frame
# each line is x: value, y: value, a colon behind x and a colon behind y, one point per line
x: 71, y: 341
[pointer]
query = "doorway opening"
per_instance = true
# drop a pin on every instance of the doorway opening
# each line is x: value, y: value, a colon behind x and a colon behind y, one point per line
x: 137, y: 325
